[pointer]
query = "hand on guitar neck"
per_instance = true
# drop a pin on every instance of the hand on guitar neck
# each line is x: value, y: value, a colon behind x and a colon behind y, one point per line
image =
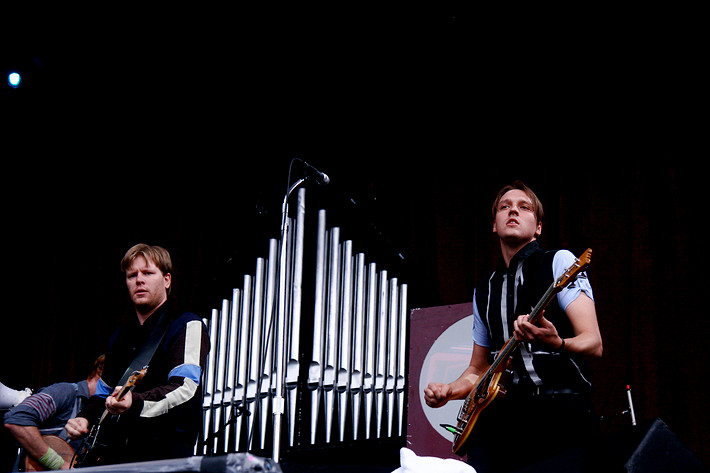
x: 543, y: 331
x: 119, y: 402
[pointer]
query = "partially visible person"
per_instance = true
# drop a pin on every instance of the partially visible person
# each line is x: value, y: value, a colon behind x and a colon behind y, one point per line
x: 46, y: 413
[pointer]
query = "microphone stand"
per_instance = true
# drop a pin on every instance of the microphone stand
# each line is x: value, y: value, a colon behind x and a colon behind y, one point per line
x: 279, y: 335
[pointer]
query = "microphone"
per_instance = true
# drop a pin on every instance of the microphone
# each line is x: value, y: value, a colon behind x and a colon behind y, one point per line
x: 320, y: 177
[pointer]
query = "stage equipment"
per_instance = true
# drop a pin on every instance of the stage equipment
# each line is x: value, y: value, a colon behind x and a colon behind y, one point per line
x: 661, y: 451
x: 260, y: 385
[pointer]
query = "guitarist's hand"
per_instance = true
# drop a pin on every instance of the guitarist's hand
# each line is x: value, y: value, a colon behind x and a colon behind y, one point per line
x: 545, y: 332
x: 437, y: 394
x: 115, y: 406
x: 77, y: 427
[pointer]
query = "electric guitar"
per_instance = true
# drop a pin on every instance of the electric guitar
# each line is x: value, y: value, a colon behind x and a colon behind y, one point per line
x: 491, y: 384
x: 57, y: 444
x: 92, y: 449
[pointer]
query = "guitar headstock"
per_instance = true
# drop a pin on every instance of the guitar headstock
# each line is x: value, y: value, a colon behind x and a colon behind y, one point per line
x: 577, y: 267
x: 135, y: 377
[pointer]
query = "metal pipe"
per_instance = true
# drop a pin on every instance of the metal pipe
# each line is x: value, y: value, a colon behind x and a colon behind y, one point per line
x: 243, y: 366
x: 358, y: 364
x: 278, y: 405
x: 230, y: 379
x: 380, y: 371
x: 370, y: 346
x: 292, y: 363
x: 402, y: 356
x: 316, y: 366
x: 255, y: 352
x: 345, y: 336
x: 331, y: 348
x: 393, y: 316
x: 268, y: 338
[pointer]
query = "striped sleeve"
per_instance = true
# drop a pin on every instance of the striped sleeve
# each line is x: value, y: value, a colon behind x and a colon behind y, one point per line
x: 41, y: 404
x: 188, y: 359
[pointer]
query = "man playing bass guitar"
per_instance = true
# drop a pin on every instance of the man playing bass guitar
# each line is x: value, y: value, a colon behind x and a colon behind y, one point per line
x: 161, y: 418
x: 545, y: 411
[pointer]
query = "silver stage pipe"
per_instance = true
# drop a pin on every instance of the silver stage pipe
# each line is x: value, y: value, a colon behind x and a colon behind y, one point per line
x: 255, y: 352
x: 316, y: 366
x: 331, y: 347
x: 292, y: 363
x: 345, y: 336
x: 243, y: 366
x: 231, y: 375
x: 402, y: 356
x: 208, y: 399
x: 267, y: 339
x: 280, y: 330
x: 220, y: 368
x: 392, y: 351
x: 381, y: 365
x: 371, y: 344
x: 358, y: 365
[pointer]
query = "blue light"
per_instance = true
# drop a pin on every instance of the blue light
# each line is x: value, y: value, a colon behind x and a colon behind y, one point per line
x: 14, y: 79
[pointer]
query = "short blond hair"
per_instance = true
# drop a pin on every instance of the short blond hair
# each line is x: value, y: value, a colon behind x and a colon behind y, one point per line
x: 158, y: 255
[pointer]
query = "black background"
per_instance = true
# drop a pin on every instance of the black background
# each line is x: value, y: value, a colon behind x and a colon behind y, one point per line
x: 176, y: 127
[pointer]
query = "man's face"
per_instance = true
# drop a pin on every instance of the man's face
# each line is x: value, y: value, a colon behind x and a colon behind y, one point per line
x: 147, y: 285
x: 516, y: 221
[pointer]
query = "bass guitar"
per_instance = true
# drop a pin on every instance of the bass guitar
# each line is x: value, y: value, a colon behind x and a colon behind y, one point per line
x: 92, y: 449
x: 491, y: 384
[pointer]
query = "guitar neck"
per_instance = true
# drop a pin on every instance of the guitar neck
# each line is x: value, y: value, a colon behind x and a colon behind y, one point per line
x: 122, y: 392
x: 512, y: 344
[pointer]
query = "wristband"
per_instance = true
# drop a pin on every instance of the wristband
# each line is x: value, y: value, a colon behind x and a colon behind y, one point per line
x: 51, y: 460
x: 562, y: 347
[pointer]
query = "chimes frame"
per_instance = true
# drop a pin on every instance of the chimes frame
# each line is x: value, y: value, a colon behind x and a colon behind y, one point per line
x: 350, y: 386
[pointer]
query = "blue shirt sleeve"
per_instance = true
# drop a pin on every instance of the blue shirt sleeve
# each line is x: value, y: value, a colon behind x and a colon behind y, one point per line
x: 480, y: 334
x: 564, y: 259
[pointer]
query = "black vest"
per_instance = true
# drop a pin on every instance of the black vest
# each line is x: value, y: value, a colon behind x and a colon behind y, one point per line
x: 515, y: 290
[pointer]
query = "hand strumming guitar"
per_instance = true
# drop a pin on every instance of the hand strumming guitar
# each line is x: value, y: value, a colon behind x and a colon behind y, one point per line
x: 77, y: 427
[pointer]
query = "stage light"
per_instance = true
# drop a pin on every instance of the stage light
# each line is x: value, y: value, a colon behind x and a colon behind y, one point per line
x: 14, y: 79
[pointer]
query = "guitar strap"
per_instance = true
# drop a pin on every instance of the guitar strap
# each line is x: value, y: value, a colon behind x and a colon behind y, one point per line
x: 149, y: 347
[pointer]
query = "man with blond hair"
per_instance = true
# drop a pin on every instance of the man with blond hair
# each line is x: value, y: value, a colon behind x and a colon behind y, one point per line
x: 161, y: 417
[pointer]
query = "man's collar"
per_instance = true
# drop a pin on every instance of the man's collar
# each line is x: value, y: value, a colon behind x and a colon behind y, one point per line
x: 522, y: 254
x: 153, y: 318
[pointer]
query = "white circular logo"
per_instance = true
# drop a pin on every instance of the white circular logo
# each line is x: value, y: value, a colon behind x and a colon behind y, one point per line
x: 447, y: 358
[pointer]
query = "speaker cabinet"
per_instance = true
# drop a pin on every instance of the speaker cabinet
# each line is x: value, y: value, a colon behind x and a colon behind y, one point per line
x: 660, y: 451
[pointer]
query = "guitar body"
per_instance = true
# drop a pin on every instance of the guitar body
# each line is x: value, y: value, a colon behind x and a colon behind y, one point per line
x: 58, y: 445
x: 104, y: 442
x: 106, y: 436
x: 490, y: 389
